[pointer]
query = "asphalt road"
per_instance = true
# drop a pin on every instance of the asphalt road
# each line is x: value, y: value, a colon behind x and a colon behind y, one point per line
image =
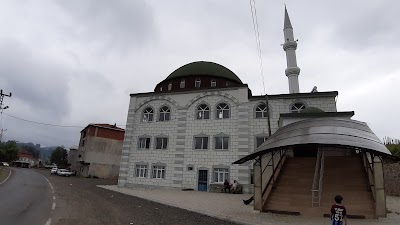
x: 79, y: 201
x: 25, y: 198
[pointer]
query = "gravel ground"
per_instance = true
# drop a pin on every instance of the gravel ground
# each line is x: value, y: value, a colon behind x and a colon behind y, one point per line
x: 79, y: 201
x: 235, y: 210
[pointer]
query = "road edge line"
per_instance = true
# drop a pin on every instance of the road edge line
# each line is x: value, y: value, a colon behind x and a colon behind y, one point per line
x: 53, y: 206
x: 9, y: 174
x: 48, y: 222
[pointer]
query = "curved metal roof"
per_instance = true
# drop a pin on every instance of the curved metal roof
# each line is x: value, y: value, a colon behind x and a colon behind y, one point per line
x: 204, y: 68
x: 323, y: 131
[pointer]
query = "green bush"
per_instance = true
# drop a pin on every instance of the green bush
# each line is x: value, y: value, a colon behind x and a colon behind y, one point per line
x: 394, y: 149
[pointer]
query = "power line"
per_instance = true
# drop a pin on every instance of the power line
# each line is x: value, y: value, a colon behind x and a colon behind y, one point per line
x: 253, y: 9
x: 48, y: 124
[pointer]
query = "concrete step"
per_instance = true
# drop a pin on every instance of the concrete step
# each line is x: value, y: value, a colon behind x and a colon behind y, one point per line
x: 292, y: 191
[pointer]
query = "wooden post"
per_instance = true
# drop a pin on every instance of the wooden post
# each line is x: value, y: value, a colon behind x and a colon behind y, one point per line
x: 257, y: 184
x: 379, y: 185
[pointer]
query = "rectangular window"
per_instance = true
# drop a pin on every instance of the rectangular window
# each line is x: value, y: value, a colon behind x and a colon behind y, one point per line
x: 83, y: 143
x: 260, y: 140
x: 221, y: 142
x: 201, y: 143
x: 144, y: 143
x: 141, y: 170
x: 220, y: 175
x: 159, y: 172
x: 161, y: 143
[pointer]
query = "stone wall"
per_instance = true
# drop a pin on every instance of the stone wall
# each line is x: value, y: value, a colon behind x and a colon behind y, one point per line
x: 392, y: 178
x: 180, y: 160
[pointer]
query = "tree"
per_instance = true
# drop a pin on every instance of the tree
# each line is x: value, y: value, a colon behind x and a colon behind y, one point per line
x: 8, y: 151
x: 393, y: 145
x: 60, y: 157
x: 31, y: 149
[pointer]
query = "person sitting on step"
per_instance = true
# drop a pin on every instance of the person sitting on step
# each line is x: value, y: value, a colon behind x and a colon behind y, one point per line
x: 227, y: 186
x: 235, y: 186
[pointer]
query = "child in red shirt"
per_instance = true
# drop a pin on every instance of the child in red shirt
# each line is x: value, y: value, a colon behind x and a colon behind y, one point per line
x: 338, y: 212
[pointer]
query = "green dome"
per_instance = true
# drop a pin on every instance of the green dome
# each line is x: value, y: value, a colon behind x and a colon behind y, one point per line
x: 204, y: 68
x: 312, y: 110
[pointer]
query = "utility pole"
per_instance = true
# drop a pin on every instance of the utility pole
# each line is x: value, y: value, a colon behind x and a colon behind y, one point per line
x: 269, y: 119
x: 2, y: 95
x: 1, y: 133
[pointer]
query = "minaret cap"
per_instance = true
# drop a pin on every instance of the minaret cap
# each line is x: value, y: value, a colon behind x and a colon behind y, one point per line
x: 288, y: 24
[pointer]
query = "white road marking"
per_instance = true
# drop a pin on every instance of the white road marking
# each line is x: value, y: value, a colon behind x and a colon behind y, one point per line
x: 54, y: 199
x: 48, y: 222
x: 9, y: 174
x: 49, y: 183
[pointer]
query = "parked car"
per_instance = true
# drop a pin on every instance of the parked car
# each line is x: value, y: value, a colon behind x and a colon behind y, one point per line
x: 64, y: 172
x: 4, y: 164
x: 53, y: 170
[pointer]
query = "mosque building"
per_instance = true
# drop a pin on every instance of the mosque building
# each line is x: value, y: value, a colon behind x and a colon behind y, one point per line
x: 202, y: 125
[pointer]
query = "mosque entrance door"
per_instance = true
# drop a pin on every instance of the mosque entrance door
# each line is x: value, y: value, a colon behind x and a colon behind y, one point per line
x: 203, y: 178
x: 307, y: 150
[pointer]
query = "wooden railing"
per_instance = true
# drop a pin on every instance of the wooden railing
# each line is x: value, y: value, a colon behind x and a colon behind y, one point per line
x: 369, y: 169
x: 276, y: 167
x: 316, y: 191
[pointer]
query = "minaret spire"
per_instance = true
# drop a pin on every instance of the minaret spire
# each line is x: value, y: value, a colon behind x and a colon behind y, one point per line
x: 290, y: 46
x: 288, y: 24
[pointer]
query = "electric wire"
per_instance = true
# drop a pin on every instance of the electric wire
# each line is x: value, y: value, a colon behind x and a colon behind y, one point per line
x: 48, y: 124
x: 253, y: 9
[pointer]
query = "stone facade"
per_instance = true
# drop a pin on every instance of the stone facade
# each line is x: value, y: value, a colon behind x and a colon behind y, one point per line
x: 180, y: 160
x: 392, y: 178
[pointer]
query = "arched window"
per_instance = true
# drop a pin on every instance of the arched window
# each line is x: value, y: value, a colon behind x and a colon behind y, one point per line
x: 148, y: 114
x: 222, y: 111
x: 261, y: 111
x: 169, y: 86
x: 213, y: 83
x: 161, y: 88
x: 203, y: 112
x: 182, y: 84
x: 297, y: 107
x: 197, y: 83
x: 165, y: 114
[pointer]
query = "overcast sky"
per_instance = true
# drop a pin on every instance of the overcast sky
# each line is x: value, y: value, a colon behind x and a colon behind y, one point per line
x: 75, y: 62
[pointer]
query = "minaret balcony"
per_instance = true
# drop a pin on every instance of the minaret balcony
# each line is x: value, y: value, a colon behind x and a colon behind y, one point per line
x: 290, y: 45
x: 292, y: 71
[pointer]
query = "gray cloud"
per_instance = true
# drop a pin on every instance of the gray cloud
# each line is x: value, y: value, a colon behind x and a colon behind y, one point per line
x: 35, y: 81
x: 91, y: 54
x: 122, y: 25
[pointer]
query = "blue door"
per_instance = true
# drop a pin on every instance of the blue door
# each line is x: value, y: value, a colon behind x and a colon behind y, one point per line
x: 202, y: 184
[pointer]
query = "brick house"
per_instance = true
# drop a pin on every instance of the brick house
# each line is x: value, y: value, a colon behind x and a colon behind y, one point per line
x: 99, y: 151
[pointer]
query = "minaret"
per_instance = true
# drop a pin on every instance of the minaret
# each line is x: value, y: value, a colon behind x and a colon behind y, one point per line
x: 290, y: 46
